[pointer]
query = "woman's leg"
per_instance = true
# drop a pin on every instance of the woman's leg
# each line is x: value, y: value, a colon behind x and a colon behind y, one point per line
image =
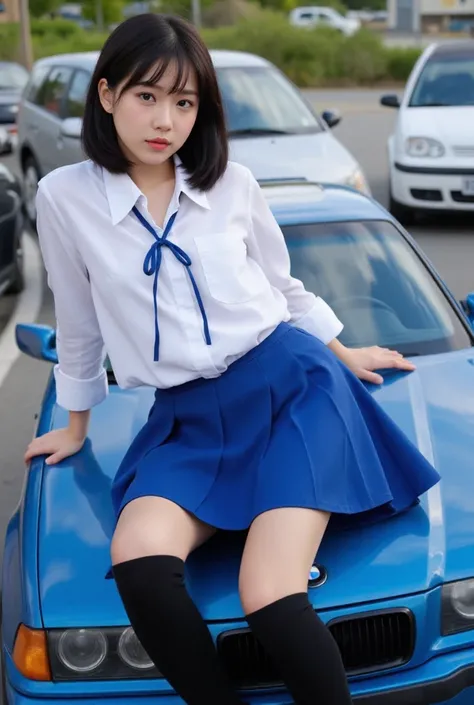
x: 278, y: 555
x: 152, y: 540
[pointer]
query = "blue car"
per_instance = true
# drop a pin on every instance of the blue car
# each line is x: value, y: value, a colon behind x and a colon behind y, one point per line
x: 398, y: 597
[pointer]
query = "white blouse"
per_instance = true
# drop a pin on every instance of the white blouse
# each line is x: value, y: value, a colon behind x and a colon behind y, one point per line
x: 101, y: 262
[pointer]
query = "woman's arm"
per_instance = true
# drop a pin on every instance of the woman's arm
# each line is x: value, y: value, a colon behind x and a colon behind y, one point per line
x: 267, y: 246
x: 81, y: 379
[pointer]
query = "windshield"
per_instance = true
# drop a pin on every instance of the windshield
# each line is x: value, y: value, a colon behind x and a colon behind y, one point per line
x: 12, y: 76
x: 377, y: 285
x: 260, y: 99
x: 445, y: 80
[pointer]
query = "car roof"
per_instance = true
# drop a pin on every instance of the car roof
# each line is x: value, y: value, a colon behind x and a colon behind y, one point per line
x: 304, y: 202
x: 220, y: 57
x: 457, y: 47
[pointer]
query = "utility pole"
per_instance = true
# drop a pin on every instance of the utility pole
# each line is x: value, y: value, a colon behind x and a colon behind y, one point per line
x: 196, y: 9
x: 25, y: 34
x: 99, y: 14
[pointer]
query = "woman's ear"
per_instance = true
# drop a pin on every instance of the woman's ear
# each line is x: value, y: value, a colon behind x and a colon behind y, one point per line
x: 106, y: 96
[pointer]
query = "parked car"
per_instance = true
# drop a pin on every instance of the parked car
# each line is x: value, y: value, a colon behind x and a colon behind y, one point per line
x: 6, y: 141
x: 315, y: 16
x: 398, y: 596
x: 13, y: 78
x: 431, y: 151
x: 273, y: 130
x: 11, y: 228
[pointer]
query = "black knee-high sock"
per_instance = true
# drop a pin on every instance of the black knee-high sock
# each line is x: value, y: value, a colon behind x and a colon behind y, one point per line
x: 303, y: 649
x: 171, y: 629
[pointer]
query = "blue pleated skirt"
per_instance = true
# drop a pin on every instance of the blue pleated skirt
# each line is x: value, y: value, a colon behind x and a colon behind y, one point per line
x: 287, y: 425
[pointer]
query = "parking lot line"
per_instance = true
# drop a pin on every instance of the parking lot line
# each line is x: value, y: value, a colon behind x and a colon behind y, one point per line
x: 27, y: 307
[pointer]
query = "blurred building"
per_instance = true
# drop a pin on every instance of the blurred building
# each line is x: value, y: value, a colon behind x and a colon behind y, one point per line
x: 9, y: 11
x: 430, y: 15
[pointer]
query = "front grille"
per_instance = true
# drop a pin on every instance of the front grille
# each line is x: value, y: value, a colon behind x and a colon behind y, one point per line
x: 459, y: 197
x: 423, y: 194
x: 6, y: 115
x: 464, y: 151
x: 367, y: 643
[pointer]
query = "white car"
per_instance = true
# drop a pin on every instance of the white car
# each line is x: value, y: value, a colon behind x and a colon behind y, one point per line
x: 431, y: 152
x: 272, y: 129
x: 313, y: 16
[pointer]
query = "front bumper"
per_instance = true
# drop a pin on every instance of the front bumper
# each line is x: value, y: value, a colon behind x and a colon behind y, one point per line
x: 430, y: 188
x: 448, y: 678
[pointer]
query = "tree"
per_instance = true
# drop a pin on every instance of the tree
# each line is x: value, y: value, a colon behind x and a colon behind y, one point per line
x: 103, y: 12
x: 39, y: 8
x: 366, y: 4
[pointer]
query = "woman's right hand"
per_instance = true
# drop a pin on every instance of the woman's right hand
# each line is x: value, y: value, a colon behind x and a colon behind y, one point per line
x: 57, y: 445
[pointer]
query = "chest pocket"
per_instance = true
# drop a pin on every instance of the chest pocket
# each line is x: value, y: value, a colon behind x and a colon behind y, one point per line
x: 231, y: 276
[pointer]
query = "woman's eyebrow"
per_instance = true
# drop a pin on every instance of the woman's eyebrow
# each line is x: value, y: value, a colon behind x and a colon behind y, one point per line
x: 151, y: 84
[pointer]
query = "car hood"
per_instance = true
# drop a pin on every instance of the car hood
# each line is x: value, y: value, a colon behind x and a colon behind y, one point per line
x: 411, y: 553
x: 315, y: 157
x: 9, y: 97
x: 452, y: 126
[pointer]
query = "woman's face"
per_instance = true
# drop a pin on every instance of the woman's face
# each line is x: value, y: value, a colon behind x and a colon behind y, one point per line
x: 152, y: 123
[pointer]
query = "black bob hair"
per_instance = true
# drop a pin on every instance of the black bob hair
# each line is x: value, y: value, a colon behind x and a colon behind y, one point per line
x: 137, y: 46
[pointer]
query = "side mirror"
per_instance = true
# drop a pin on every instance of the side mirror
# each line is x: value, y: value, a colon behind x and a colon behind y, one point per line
x: 37, y: 341
x: 331, y: 117
x: 72, y: 127
x: 468, y: 306
x: 390, y: 101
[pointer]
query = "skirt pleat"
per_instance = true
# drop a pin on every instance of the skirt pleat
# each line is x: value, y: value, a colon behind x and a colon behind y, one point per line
x: 287, y: 425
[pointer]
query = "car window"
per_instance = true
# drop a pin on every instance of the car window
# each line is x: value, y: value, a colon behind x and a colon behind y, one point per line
x: 51, y: 94
x: 35, y: 83
x: 76, y: 96
x: 445, y: 80
x: 13, y: 77
x: 261, y: 98
x: 377, y: 285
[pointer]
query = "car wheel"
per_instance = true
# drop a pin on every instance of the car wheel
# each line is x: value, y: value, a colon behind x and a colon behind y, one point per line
x: 30, y: 187
x: 18, y: 282
x: 403, y: 214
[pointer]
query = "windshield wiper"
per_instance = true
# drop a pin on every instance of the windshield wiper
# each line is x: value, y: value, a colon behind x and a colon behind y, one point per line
x: 434, y: 105
x: 257, y: 131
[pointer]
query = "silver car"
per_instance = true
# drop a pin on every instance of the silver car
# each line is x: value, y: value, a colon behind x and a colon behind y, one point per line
x: 273, y: 130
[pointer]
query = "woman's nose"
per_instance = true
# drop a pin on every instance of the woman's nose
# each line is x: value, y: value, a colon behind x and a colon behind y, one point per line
x: 162, y: 118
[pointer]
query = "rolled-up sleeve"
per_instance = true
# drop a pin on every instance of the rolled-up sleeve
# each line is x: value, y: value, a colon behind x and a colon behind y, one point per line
x: 81, y: 378
x: 268, y: 248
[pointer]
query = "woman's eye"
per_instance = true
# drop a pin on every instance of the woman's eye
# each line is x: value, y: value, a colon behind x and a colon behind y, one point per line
x: 185, y: 103
x: 146, y: 97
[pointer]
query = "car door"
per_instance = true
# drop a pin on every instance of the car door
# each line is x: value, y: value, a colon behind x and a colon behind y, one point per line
x: 46, y: 118
x: 70, y: 147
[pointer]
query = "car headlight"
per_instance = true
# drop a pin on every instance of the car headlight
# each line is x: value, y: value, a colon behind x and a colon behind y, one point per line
x: 457, y: 607
x: 82, y: 650
x: 132, y: 652
x: 98, y: 654
x: 424, y: 147
x: 358, y: 181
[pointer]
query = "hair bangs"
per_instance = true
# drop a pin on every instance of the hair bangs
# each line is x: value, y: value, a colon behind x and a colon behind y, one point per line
x: 150, y: 69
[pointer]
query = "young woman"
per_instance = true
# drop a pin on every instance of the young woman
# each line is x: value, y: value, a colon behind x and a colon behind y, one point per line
x: 164, y: 254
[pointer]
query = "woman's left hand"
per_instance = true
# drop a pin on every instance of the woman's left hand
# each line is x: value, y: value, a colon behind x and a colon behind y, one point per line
x: 362, y: 361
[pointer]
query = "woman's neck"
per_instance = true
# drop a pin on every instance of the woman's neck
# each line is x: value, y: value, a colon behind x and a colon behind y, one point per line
x: 149, y: 178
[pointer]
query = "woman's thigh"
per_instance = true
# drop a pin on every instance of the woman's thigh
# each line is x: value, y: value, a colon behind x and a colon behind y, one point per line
x: 280, y: 549
x: 150, y: 526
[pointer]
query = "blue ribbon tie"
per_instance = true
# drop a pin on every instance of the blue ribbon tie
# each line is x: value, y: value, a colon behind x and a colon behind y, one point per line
x: 151, y: 266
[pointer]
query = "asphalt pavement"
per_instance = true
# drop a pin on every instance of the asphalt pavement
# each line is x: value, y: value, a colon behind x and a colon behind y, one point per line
x: 364, y: 130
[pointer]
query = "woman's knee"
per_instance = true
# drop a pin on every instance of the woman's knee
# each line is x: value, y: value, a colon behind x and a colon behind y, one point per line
x: 255, y: 596
x: 155, y: 526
